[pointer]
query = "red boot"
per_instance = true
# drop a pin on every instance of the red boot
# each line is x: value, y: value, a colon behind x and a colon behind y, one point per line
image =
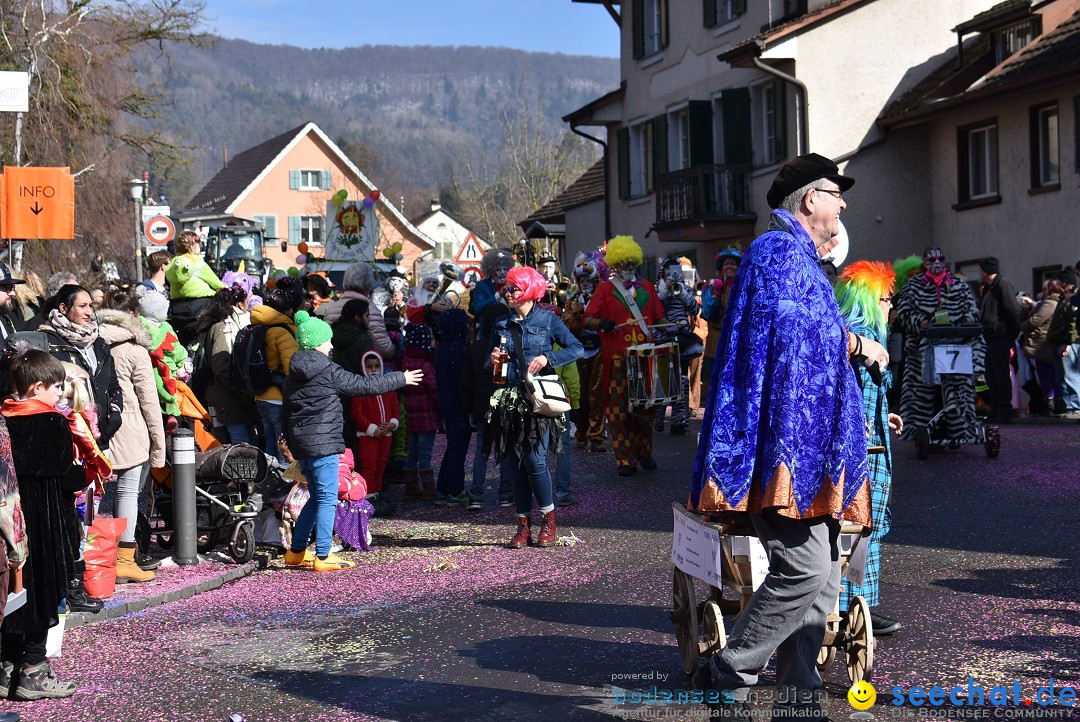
x: 547, y: 531
x: 523, y: 537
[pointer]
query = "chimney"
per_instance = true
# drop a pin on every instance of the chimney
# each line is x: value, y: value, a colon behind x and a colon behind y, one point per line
x: 224, y: 157
x: 435, y: 204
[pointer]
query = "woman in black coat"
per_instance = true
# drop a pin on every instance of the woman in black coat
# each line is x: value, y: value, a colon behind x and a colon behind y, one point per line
x: 72, y: 334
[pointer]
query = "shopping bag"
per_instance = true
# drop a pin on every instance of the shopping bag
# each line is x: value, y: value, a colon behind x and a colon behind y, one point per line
x: 100, y: 556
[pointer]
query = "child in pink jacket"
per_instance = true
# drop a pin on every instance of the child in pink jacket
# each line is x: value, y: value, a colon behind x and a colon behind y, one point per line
x: 376, y: 418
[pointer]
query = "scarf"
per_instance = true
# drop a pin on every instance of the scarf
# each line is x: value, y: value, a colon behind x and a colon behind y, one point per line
x: 78, y: 336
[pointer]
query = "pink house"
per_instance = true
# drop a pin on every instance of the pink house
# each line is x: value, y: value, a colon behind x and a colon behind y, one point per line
x: 284, y: 184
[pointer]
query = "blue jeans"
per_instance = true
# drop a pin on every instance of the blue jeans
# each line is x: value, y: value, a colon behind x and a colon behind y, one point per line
x: 420, y: 445
x: 321, y: 473
x: 479, y: 470
x: 530, y: 477
x: 242, y: 434
x: 271, y: 423
x: 562, y: 464
x: 452, y: 468
x: 1070, y: 375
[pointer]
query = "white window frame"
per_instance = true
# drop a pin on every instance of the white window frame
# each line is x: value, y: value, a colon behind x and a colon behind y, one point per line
x: 725, y: 11
x: 1009, y: 40
x: 718, y: 128
x: 678, y: 140
x: 762, y: 111
x: 640, y: 158
x: 653, y: 26
x: 1049, y: 150
x: 982, y: 162
x: 308, y: 226
x: 306, y: 175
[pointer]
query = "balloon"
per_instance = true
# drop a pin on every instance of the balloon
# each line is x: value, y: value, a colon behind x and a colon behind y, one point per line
x: 397, y: 247
x: 388, y: 252
x: 278, y: 272
x: 398, y: 257
x: 342, y: 194
x: 368, y: 202
x: 301, y: 259
x: 271, y: 283
x: 302, y: 248
x: 294, y: 271
x: 374, y: 195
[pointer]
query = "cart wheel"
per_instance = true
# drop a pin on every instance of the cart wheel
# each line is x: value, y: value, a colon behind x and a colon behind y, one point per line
x: 243, y: 549
x: 993, y: 441
x: 684, y: 615
x: 827, y: 654
x: 922, y: 443
x: 859, y: 644
x: 712, y: 626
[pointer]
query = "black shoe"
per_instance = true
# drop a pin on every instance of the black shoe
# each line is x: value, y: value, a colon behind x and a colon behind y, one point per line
x: 883, y: 626
x: 79, y: 601
x: 648, y: 463
x: 146, y: 562
x: 598, y: 447
x: 38, y: 681
x: 678, y: 431
x: 7, y: 672
x: 627, y: 470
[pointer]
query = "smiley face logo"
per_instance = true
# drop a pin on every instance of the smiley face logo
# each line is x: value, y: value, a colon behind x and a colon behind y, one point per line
x: 862, y: 695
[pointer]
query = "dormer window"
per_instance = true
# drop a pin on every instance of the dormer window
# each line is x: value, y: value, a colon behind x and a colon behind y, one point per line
x: 1008, y: 40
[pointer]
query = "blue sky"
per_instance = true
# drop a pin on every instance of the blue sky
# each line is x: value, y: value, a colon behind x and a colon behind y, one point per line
x: 544, y: 25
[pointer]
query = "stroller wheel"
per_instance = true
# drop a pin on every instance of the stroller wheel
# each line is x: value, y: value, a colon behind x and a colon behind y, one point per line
x: 242, y: 550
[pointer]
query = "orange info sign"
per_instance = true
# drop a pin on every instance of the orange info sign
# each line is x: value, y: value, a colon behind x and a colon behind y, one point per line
x: 37, y: 203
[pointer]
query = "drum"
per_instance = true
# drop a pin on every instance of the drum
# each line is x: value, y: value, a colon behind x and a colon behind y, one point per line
x: 653, y: 375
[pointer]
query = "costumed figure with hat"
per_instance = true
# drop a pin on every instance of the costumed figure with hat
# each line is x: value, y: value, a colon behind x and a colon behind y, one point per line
x: 936, y: 297
x: 494, y: 266
x: 681, y: 308
x: 783, y: 438
x: 864, y: 294
x: 714, y: 299
x: 555, y: 297
x: 589, y: 272
x: 1000, y: 315
x: 623, y: 309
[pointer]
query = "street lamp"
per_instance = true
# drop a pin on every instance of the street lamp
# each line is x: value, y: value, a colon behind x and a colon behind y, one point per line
x: 136, y: 187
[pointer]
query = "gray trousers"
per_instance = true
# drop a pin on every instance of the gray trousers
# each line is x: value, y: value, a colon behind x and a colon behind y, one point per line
x: 788, y: 611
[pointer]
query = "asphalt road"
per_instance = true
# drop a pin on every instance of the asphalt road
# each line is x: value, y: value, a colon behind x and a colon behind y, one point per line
x: 442, y: 622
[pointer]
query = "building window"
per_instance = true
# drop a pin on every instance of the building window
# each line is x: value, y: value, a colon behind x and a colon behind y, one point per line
x: 310, y: 180
x: 641, y: 159
x: 1009, y: 40
x: 650, y: 27
x: 311, y: 230
x: 787, y: 10
x: 1045, y: 161
x: 771, y: 123
x: 679, y: 139
x: 977, y: 161
x: 719, y: 12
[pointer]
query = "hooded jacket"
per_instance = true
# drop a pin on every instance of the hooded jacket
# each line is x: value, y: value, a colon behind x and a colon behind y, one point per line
x: 108, y: 398
x: 190, y: 277
x: 351, y: 343
x: 311, y: 413
x: 330, y: 311
x: 231, y: 406
x: 280, y: 345
x: 370, y: 412
x: 141, y: 436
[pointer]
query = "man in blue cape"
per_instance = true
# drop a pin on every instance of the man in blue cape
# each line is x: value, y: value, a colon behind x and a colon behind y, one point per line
x: 784, y: 438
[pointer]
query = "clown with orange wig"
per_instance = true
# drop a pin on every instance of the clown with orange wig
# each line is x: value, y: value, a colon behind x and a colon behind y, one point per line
x: 529, y: 334
x: 864, y: 294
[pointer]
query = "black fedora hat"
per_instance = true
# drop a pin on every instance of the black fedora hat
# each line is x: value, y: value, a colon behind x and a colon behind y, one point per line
x: 802, y: 170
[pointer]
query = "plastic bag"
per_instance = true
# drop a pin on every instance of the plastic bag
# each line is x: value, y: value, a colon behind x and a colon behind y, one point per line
x: 100, y: 556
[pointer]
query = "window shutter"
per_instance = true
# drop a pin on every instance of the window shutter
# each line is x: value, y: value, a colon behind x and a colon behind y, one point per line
x: 269, y: 222
x: 710, y: 13
x: 327, y: 179
x: 740, y: 7
x: 660, y: 149
x: 735, y: 108
x: 1033, y: 142
x: 664, y: 23
x: 622, y: 152
x: 780, y: 120
x: 701, y: 133
x: 648, y: 268
x: 294, y: 229
x: 294, y: 180
x: 637, y: 28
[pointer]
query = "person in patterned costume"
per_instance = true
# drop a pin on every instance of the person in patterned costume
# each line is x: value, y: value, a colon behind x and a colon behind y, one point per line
x: 936, y: 296
x: 609, y: 311
x: 589, y: 272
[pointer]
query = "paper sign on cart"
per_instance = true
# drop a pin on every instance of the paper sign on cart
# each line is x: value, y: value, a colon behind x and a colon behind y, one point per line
x: 856, y: 569
x: 953, y: 360
x: 695, y: 548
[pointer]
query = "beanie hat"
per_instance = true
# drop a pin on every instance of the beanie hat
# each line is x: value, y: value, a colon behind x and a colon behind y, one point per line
x: 990, y: 265
x: 152, y: 305
x: 417, y: 335
x: 311, y: 332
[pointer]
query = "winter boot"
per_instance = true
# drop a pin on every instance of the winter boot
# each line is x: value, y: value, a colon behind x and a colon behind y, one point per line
x: 412, y: 484
x: 77, y: 598
x: 523, y: 536
x: 546, y: 538
x: 427, y: 478
x: 126, y: 568
x: 37, y: 681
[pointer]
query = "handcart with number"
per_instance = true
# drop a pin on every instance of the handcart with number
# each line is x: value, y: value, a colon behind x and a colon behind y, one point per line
x: 949, y: 353
x: 722, y: 552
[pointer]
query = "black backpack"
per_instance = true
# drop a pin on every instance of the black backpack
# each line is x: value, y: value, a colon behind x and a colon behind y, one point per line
x: 249, y: 367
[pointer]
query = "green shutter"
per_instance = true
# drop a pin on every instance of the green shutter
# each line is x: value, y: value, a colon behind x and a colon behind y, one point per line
x: 622, y: 153
x: 664, y: 23
x: 294, y: 229
x: 637, y: 28
x: 735, y: 107
x: 294, y: 180
x: 660, y: 150
x: 327, y: 178
x: 701, y: 132
x: 1076, y: 130
x: 710, y: 13
x: 780, y: 120
x: 740, y: 7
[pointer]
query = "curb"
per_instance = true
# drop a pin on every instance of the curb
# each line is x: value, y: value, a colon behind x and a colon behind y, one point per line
x: 79, y: 619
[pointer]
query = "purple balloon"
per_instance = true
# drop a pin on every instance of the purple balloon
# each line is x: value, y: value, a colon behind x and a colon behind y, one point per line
x: 368, y: 203
x: 301, y: 259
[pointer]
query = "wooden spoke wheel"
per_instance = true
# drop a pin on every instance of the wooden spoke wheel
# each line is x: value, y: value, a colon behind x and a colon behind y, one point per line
x: 993, y: 441
x: 684, y: 616
x: 859, y: 641
x: 712, y: 626
x: 827, y: 654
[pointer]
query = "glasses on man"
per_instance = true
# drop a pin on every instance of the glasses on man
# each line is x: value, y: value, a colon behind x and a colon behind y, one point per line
x: 838, y: 194
x: 7, y: 287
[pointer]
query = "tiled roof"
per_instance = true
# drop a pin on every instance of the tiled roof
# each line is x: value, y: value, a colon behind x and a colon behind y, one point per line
x: 587, y: 188
x: 1055, y: 53
x: 232, y: 180
x: 779, y: 32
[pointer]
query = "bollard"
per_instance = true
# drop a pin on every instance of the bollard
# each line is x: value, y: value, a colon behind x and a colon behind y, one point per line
x: 185, y: 531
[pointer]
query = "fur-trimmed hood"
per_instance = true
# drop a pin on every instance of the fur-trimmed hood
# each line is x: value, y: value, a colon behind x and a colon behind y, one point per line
x: 119, y: 326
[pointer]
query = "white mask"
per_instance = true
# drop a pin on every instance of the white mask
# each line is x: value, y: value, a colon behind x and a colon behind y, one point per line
x: 627, y: 276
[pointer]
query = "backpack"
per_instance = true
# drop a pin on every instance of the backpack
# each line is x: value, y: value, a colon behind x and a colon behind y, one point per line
x: 1061, y: 328
x: 201, y: 372
x: 249, y: 365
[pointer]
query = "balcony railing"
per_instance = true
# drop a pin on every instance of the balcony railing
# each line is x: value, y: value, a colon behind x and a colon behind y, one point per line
x: 704, y: 192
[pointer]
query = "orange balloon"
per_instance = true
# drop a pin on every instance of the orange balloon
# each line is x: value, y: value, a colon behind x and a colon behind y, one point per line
x: 303, y: 247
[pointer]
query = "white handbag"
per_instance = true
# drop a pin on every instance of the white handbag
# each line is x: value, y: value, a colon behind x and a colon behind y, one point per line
x: 546, y: 393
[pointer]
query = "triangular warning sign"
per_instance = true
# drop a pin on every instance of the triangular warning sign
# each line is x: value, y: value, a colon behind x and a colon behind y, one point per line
x: 470, y: 253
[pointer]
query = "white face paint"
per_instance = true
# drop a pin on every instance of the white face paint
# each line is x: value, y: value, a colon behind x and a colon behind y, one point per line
x: 499, y: 276
x: 627, y: 275
x: 587, y: 286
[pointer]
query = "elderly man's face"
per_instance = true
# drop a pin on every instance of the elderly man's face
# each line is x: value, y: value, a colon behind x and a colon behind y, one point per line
x: 825, y: 205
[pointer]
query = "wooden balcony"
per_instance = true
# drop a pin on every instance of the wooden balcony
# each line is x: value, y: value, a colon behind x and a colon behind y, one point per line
x: 705, y: 202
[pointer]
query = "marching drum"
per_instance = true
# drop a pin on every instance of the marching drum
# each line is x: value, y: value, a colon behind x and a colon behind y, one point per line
x: 653, y: 375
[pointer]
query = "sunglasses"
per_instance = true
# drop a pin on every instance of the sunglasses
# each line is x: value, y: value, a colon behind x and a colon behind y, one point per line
x: 511, y: 291
x: 7, y: 287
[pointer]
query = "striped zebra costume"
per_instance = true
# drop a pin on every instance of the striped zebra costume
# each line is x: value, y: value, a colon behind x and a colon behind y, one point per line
x: 919, y: 300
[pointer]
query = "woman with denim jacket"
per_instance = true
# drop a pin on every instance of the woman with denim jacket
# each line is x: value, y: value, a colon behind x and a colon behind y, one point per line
x: 520, y: 435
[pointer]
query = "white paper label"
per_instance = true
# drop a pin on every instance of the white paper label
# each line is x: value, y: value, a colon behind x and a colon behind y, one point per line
x: 856, y: 569
x: 953, y: 360
x: 695, y: 548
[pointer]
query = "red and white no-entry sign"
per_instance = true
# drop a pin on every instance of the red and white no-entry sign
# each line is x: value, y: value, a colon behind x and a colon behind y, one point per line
x: 160, y: 230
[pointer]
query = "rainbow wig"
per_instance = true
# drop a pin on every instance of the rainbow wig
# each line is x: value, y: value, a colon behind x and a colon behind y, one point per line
x: 622, y: 249
x: 858, y: 290
x: 906, y: 268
